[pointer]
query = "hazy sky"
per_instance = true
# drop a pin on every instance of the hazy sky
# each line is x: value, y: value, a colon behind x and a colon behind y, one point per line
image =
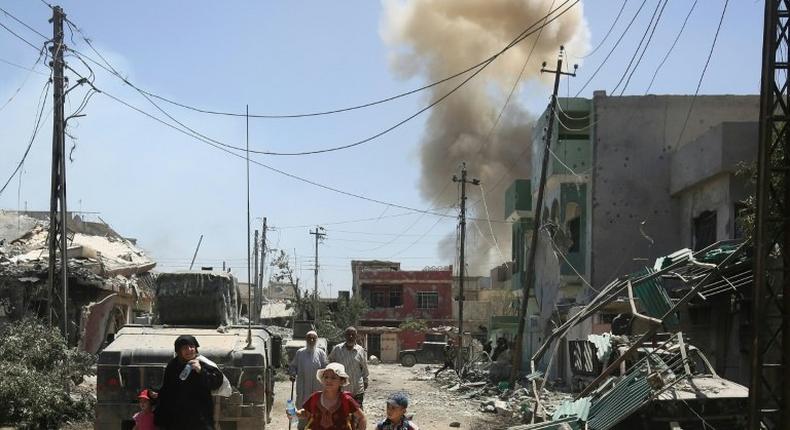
x: 166, y: 189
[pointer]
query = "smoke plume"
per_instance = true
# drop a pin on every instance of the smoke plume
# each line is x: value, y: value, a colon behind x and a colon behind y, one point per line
x: 437, y: 38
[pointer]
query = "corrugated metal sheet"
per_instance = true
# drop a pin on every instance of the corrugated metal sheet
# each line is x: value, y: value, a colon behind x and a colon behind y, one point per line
x: 654, y: 298
x: 579, y: 409
x: 625, y: 398
x: 571, y: 422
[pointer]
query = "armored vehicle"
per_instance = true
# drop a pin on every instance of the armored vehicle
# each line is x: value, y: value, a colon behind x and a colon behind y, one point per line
x: 429, y: 352
x: 205, y: 305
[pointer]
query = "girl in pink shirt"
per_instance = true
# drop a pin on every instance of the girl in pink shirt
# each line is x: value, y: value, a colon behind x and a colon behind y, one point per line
x: 144, y: 420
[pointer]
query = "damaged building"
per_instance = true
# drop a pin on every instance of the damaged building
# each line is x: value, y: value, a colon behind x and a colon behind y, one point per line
x: 629, y: 180
x: 395, y: 296
x: 110, y: 282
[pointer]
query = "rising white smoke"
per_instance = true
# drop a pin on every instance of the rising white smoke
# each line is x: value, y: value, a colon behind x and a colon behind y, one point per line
x: 437, y: 38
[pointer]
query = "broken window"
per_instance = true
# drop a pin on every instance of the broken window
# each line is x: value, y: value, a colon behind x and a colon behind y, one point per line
x: 396, y: 297
x: 742, y: 213
x: 704, y: 230
x: 383, y: 297
x: 573, y: 224
x: 427, y: 300
x: 378, y: 299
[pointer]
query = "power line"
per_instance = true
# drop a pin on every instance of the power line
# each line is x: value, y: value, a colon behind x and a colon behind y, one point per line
x: 19, y: 66
x: 36, y: 128
x: 702, y: 75
x: 639, y: 46
x: 649, y: 39
x: 292, y: 176
x: 24, y: 24
x: 485, y: 62
x: 18, y: 36
x: 526, y: 33
x: 265, y: 166
x: 677, y: 37
x: 616, y: 44
x: 27, y: 77
x: 611, y: 27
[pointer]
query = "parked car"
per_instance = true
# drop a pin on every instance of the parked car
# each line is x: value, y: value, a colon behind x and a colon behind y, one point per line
x: 429, y: 352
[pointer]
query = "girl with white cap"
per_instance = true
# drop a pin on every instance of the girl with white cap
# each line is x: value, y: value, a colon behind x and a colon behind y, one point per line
x: 332, y: 408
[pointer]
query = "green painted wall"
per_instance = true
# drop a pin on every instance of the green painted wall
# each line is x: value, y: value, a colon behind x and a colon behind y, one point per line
x: 518, y: 197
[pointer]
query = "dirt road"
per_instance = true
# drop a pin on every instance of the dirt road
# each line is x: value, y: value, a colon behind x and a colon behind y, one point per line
x: 433, y: 408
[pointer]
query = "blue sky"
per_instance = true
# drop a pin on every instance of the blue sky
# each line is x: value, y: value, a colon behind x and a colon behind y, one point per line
x: 167, y: 189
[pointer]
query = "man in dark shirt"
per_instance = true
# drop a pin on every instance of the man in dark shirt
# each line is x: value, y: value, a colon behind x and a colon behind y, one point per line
x: 450, y: 353
x: 185, y: 401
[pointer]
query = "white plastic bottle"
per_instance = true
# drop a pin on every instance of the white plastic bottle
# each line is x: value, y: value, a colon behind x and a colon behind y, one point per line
x: 185, y: 373
x: 291, y: 410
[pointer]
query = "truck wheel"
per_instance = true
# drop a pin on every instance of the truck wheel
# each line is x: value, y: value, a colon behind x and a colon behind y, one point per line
x: 408, y: 360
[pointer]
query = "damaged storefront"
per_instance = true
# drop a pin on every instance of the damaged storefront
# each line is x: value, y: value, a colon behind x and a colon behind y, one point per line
x: 110, y: 281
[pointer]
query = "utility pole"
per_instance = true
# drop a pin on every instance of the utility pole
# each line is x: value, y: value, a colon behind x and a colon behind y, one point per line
x: 57, y: 206
x: 462, y: 271
x: 529, y: 279
x: 769, y: 390
x: 261, y: 277
x: 249, y: 277
x: 319, y: 234
x: 196, y: 252
x: 252, y: 301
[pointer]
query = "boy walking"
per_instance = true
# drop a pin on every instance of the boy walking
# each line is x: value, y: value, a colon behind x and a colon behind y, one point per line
x: 396, y: 414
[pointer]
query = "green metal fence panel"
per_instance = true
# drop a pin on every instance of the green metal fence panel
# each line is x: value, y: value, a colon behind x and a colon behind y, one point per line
x: 654, y: 298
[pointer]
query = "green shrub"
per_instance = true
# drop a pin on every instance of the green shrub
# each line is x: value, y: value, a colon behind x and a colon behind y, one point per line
x: 39, y: 373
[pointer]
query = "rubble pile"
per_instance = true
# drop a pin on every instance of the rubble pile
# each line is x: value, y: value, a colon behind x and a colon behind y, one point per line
x: 110, y: 282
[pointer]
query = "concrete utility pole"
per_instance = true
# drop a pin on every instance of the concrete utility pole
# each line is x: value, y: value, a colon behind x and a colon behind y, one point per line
x: 252, y: 301
x: 529, y: 279
x: 319, y: 234
x: 261, y: 277
x: 57, y: 206
x: 462, y: 270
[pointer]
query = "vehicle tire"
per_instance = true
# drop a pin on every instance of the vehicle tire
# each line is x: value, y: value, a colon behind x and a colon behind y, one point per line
x: 408, y: 360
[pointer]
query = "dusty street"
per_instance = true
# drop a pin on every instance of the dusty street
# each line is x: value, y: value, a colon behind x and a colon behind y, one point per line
x: 433, y: 408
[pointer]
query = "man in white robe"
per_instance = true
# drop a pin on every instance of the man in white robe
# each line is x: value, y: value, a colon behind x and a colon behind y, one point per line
x: 303, y: 369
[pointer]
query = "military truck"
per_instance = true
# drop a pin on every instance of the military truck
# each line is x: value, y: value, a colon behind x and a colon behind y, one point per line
x: 205, y: 305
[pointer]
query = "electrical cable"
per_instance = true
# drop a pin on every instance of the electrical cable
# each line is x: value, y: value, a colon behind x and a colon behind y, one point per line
x: 19, y: 66
x: 27, y: 77
x: 638, y: 47
x: 421, y: 237
x: 290, y: 227
x: 18, y: 36
x: 677, y: 37
x: 491, y: 227
x: 620, y: 39
x: 702, y: 75
x: 649, y: 39
x: 375, y: 136
x: 265, y: 166
x: 611, y: 27
x: 36, y: 128
x: 24, y: 24
x: 332, y: 111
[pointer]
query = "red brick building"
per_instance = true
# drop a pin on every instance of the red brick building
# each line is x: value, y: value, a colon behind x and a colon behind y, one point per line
x: 395, y: 296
